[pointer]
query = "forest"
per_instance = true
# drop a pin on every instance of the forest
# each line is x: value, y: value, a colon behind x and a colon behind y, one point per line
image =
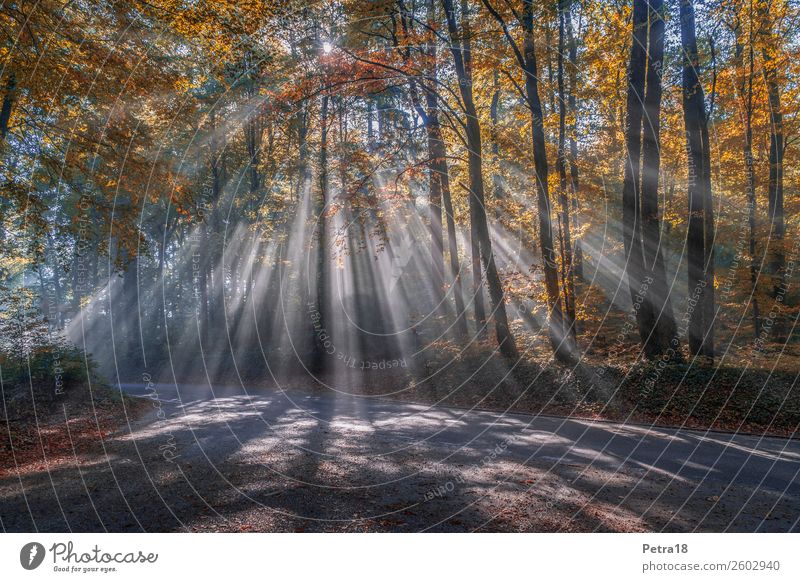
x: 574, y: 206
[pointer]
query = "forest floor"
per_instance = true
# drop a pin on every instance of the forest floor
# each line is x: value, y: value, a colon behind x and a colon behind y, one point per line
x: 57, y: 430
x: 298, y: 461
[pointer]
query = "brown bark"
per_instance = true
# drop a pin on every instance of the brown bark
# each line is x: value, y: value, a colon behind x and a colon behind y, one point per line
x: 318, y: 362
x: 700, y: 310
x: 461, y: 49
x: 568, y: 278
x: 744, y: 85
x: 572, y: 152
x: 558, y: 335
x: 775, y: 211
x: 641, y: 224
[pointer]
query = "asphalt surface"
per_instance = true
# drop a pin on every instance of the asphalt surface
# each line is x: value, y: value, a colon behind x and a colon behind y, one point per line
x: 224, y: 460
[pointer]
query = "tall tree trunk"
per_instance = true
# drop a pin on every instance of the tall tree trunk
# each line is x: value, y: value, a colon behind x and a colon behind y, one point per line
x: 160, y: 285
x: 700, y: 310
x: 215, y: 279
x: 461, y: 49
x: 452, y: 242
x: 303, y: 167
x: 664, y: 330
x: 744, y: 86
x: 631, y: 224
x: 481, y: 329
x: 568, y: 279
x: 439, y: 176
x: 563, y: 347
x: 641, y: 163
x: 574, y: 177
x: 494, y: 112
x: 252, y: 130
x: 204, y: 282
x: 775, y: 211
x: 130, y: 312
x: 435, y: 209
x: 319, y: 363
x: 437, y: 151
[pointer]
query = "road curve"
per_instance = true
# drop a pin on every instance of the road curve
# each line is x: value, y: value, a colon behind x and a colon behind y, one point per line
x: 223, y: 459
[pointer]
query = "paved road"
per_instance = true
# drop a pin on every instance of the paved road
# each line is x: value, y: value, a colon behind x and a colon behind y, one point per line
x: 224, y: 460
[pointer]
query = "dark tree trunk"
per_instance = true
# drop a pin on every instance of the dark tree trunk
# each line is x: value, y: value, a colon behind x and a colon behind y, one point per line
x: 130, y: 312
x: 160, y: 289
x: 663, y: 334
x: 435, y: 207
x: 303, y: 167
x: 699, y: 242
x: 215, y: 278
x: 204, y: 284
x: 437, y: 151
x: 568, y: 279
x: 775, y: 211
x: 745, y: 89
x: 477, y: 275
x: 8, y: 104
x: 564, y: 349
x: 631, y: 224
x: 644, y: 262
x: 461, y: 49
x: 494, y: 113
x: 573, y: 144
x: 319, y: 363
x: 252, y: 131
x: 474, y: 231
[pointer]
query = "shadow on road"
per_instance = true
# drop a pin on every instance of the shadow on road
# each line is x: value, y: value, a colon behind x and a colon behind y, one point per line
x: 294, y: 462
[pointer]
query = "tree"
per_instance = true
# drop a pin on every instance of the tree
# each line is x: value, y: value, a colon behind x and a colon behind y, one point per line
x: 568, y: 274
x: 641, y: 225
x: 462, y: 55
x: 700, y: 238
x: 775, y: 211
x: 563, y: 347
x: 745, y: 66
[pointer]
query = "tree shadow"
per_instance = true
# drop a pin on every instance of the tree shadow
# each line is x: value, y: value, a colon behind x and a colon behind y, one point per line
x: 297, y: 462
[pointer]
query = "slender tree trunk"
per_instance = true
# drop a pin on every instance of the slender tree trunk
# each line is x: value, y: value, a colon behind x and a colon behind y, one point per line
x: 319, y: 363
x: 438, y: 154
x: 452, y: 244
x: 160, y: 297
x: 568, y: 279
x: 574, y: 183
x: 775, y: 211
x: 435, y: 211
x: 204, y: 283
x: 563, y: 347
x: 461, y: 49
x: 252, y: 131
x: 130, y: 312
x: 215, y: 279
x: 631, y: 214
x: 303, y: 167
x: 494, y: 111
x: 745, y: 90
x: 437, y: 150
x: 474, y: 232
